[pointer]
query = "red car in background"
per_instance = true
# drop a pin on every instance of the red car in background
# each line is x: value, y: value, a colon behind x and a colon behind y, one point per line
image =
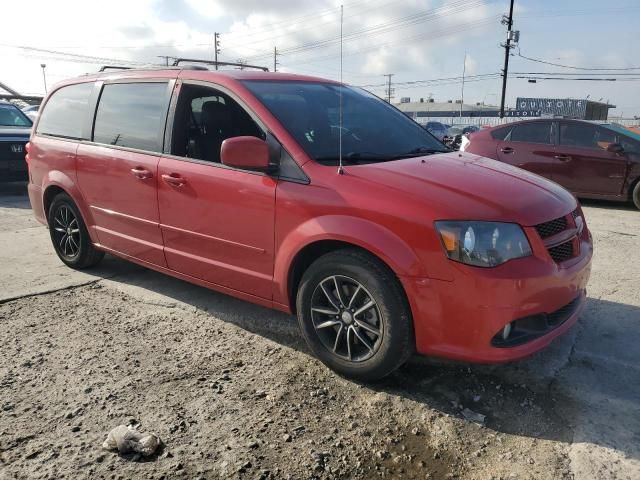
x: 600, y: 161
x: 232, y: 180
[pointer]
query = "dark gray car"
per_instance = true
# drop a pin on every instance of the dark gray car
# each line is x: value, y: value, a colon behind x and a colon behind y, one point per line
x: 15, y: 128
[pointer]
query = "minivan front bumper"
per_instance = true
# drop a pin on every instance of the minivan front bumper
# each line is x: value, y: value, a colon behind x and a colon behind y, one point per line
x: 460, y: 319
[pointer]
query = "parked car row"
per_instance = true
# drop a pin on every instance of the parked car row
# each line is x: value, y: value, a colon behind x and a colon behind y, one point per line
x: 450, y: 135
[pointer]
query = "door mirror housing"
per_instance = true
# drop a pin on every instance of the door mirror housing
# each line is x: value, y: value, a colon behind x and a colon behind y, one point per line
x: 250, y: 153
x: 615, y: 148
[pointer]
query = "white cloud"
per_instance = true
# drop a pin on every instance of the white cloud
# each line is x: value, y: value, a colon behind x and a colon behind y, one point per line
x: 414, y: 39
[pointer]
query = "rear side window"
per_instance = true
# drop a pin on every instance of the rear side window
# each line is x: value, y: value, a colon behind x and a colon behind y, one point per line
x: 535, y: 132
x: 65, y: 112
x: 500, y: 133
x: 131, y: 115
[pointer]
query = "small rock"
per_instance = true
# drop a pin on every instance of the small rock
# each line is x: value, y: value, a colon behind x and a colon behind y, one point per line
x: 287, y: 437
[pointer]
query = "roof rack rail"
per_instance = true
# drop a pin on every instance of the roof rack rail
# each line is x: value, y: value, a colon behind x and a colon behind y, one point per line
x: 113, y: 67
x: 177, y: 62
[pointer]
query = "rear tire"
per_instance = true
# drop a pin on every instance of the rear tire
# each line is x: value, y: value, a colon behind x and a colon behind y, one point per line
x: 69, y: 234
x: 354, y: 315
x: 635, y: 196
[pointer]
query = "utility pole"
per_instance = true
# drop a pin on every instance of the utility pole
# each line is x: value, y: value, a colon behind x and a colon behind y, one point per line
x: 389, y: 89
x: 275, y: 59
x: 464, y: 70
x: 44, y: 76
x: 507, y: 50
x: 216, y: 47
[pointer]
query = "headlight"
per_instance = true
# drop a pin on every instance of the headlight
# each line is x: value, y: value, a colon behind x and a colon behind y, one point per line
x: 483, y: 244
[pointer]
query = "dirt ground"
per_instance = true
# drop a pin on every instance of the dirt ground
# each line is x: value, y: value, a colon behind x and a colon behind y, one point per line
x: 233, y: 392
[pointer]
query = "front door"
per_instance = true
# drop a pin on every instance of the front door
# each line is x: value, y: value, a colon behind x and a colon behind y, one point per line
x: 529, y: 146
x: 217, y: 222
x: 585, y: 166
x: 118, y: 171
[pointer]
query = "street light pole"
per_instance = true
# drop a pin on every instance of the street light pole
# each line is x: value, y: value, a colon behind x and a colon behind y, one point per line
x: 44, y: 76
x: 464, y: 70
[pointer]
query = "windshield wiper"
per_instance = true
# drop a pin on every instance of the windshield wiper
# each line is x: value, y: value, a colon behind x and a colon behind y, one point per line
x: 368, y: 157
x: 418, y: 152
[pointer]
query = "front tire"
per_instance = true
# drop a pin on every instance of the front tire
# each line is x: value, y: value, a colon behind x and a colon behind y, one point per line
x: 69, y: 234
x: 635, y: 196
x: 354, y: 315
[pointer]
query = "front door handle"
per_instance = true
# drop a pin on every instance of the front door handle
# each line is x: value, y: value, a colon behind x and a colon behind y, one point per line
x: 173, y: 179
x: 506, y: 150
x: 562, y: 158
x: 141, y: 173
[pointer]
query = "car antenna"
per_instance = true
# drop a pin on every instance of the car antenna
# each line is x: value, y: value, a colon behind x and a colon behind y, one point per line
x: 340, y: 169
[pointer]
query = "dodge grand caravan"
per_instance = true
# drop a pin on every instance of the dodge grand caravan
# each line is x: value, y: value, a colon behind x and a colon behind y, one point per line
x: 233, y: 180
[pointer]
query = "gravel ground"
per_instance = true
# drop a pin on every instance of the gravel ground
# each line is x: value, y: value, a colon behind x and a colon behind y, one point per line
x: 233, y: 392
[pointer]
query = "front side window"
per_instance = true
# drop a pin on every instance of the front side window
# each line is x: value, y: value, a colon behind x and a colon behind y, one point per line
x: 206, y: 117
x: 534, y: 132
x: 65, y: 112
x: 131, y: 115
x: 372, y: 130
x: 585, y: 136
x: 11, y: 116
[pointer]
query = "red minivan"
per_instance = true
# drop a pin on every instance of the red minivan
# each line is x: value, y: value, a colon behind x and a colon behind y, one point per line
x: 233, y: 180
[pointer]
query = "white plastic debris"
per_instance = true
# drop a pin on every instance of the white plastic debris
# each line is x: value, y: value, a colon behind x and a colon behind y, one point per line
x: 473, y: 416
x: 128, y: 440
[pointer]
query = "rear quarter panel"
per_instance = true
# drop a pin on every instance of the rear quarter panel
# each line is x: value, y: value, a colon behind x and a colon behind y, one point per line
x: 52, y: 163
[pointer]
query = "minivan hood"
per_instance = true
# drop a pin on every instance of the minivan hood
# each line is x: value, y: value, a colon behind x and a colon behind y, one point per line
x: 464, y: 186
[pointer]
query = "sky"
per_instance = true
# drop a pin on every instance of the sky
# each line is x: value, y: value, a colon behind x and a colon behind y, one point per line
x: 415, y: 40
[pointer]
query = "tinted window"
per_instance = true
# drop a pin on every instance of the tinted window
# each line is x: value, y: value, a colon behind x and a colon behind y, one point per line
x: 372, y: 130
x: 535, y: 132
x: 586, y: 136
x: 11, y: 116
x: 65, y: 111
x: 629, y: 145
x: 500, y: 133
x: 131, y: 115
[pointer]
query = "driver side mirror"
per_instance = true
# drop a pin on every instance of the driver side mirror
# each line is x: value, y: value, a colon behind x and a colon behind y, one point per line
x: 615, y: 148
x: 250, y: 153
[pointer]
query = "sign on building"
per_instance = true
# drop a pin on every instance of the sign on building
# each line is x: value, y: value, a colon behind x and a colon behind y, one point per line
x: 565, y: 107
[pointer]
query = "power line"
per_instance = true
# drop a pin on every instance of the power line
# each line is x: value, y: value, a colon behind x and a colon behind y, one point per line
x: 457, y: 6
x: 422, y: 36
x: 537, y: 60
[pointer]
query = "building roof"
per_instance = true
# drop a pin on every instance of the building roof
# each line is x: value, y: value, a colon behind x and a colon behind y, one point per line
x: 441, y: 106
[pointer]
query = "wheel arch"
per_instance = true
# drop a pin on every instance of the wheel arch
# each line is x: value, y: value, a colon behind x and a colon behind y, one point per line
x: 304, y: 245
x: 58, y: 182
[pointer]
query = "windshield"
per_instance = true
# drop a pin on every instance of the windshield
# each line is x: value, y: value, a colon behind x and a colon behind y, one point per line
x: 11, y: 116
x: 372, y: 130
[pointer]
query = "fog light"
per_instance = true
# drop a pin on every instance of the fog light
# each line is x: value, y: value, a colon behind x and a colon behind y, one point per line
x: 506, y: 331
